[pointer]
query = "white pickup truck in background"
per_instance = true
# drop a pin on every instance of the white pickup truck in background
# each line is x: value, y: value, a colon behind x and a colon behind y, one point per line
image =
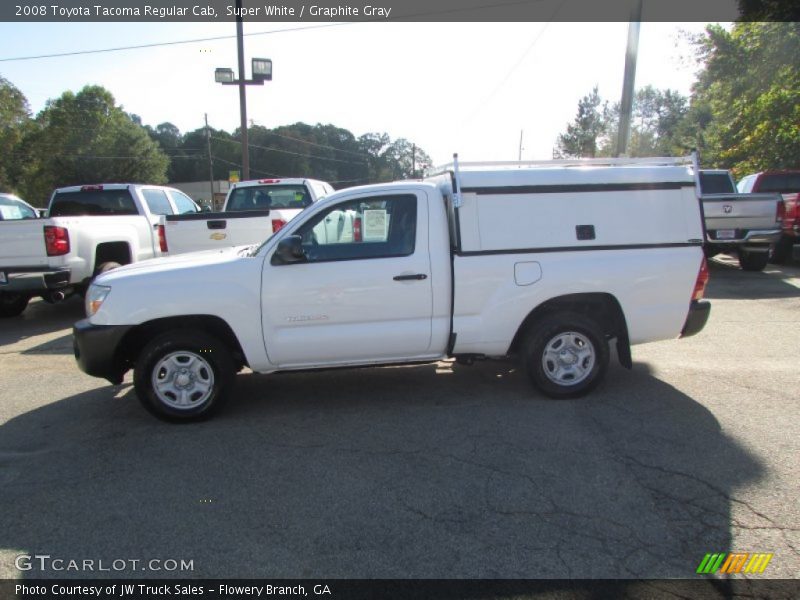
x: 547, y: 262
x: 252, y: 212
x: 89, y: 229
x: 746, y: 225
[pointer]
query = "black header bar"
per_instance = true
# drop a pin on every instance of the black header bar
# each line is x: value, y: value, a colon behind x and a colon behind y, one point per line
x: 321, y: 11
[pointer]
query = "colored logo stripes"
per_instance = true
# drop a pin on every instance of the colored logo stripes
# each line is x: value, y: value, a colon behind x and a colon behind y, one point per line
x: 734, y: 562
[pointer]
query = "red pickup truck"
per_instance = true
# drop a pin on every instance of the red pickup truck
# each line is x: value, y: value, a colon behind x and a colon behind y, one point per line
x: 787, y: 184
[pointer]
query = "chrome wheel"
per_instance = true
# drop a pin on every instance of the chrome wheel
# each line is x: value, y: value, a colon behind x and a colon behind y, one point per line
x: 183, y: 380
x: 568, y: 358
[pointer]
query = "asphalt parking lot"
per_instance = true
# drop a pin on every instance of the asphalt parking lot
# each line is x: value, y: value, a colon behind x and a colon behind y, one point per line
x: 425, y: 471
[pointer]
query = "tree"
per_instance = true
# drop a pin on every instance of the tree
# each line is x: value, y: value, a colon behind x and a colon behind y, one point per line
x: 86, y: 138
x: 583, y: 134
x: 14, y: 115
x: 656, y: 125
x: 746, y: 101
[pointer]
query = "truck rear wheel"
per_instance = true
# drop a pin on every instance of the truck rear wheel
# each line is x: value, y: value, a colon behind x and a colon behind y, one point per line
x: 183, y: 375
x: 12, y: 304
x: 565, y: 355
x: 753, y: 261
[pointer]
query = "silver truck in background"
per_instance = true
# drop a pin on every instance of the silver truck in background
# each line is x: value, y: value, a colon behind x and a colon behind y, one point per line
x: 746, y: 225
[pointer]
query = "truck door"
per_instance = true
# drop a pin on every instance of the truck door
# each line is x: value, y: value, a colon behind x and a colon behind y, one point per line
x: 363, y: 290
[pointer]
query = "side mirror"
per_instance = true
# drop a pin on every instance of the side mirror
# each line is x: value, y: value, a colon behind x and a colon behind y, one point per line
x: 289, y: 250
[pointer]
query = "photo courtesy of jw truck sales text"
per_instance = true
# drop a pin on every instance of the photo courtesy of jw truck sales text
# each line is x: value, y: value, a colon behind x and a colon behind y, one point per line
x: 545, y: 262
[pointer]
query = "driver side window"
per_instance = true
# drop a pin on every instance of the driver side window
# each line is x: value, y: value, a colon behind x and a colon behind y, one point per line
x: 371, y: 227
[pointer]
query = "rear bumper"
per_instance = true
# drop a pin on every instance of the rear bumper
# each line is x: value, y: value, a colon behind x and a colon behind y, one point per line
x: 95, y: 348
x: 697, y: 318
x: 33, y: 279
x: 745, y: 237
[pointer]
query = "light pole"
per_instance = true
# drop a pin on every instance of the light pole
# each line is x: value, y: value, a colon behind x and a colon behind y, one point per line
x: 262, y: 71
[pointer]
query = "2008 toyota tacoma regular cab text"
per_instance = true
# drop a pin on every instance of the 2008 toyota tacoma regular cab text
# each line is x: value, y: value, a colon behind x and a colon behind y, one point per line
x: 549, y: 262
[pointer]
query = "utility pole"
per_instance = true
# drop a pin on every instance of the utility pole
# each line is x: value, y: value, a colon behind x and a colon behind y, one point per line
x: 262, y: 71
x: 210, y: 163
x: 626, y: 104
x: 519, y: 158
x: 413, y: 161
x: 242, y: 96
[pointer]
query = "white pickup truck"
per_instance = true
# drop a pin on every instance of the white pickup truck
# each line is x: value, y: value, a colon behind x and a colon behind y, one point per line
x: 89, y: 229
x: 746, y: 225
x: 547, y: 262
x: 252, y: 211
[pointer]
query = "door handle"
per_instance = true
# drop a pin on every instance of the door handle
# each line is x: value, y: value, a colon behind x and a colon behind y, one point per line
x: 216, y: 224
x: 410, y: 277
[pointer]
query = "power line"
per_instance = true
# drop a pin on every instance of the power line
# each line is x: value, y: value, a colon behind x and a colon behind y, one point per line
x: 406, y: 17
x: 347, y: 162
x: 233, y: 164
x: 288, y: 137
x: 517, y: 64
x: 173, y: 43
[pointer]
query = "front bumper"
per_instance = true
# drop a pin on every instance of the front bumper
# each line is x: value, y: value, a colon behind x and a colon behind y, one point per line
x: 33, y: 279
x: 96, y: 349
x: 697, y: 318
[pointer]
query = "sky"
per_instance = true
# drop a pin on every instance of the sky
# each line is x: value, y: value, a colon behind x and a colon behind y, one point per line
x: 470, y: 88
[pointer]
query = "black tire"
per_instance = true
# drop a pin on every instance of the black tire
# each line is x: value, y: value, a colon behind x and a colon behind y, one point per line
x: 753, y: 261
x: 106, y: 266
x: 209, y: 375
x: 543, y: 338
x: 12, y: 304
x: 781, y: 252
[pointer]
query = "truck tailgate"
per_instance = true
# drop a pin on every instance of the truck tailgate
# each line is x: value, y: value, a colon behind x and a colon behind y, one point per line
x: 741, y: 211
x: 22, y: 243
x: 208, y: 231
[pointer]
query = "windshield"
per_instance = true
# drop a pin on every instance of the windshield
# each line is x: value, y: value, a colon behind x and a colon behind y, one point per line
x: 12, y: 209
x: 93, y: 202
x: 259, y: 197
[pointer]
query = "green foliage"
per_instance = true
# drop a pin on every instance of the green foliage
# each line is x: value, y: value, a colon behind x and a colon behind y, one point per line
x: 318, y: 151
x: 655, y: 126
x: 583, y: 134
x: 85, y: 138
x: 14, y: 114
x: 750, y: 89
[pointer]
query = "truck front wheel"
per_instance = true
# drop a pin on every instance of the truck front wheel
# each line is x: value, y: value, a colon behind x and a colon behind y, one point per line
x: 565, y: 355
x: 183, y: 375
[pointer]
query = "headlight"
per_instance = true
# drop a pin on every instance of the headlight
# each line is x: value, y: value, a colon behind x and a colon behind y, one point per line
x: 95, y: 296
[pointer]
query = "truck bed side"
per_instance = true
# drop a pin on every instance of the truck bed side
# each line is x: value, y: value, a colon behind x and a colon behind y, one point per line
x: 637, y: 240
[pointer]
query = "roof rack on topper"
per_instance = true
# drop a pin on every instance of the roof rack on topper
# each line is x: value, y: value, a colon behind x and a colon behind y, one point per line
x: 652, y: 161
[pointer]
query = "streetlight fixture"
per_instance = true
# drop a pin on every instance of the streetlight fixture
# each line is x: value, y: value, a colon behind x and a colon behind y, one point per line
x: 262, y: 71
x: 223, y: 75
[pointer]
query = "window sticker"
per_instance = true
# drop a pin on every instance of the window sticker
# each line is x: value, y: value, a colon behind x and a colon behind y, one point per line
x: 376, y: 225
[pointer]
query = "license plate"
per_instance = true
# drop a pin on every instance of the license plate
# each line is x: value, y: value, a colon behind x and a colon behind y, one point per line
x: 3, y: 278
x: 726, y: 234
